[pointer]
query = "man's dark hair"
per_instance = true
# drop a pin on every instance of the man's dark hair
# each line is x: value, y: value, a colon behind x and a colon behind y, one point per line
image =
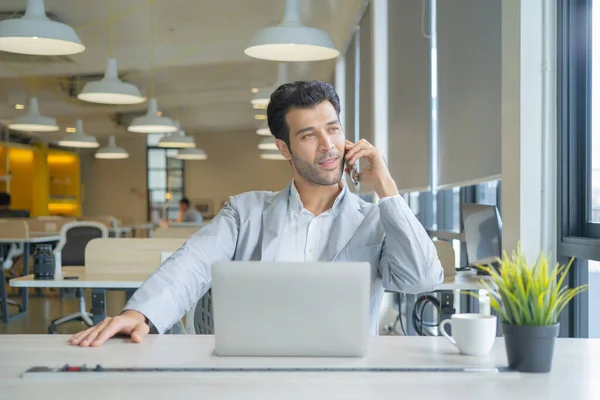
x: 4, y: 199
x: 299, y: 94
x: 185, y: 201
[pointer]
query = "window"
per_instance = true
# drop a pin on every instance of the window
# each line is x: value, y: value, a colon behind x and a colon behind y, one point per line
x: 578, y: 94
x: 594, y: 182
x: 165, y: 180
x: 486, y: 193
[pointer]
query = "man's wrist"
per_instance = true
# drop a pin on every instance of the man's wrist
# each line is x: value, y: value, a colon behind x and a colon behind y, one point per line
x: 137, y: 315
x: 387, y: 188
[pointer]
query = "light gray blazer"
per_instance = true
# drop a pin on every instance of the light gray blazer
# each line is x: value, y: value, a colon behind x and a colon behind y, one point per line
x: 387, y: 235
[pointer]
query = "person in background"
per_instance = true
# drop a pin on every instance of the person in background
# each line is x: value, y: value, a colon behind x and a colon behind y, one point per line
x: 187, y: 213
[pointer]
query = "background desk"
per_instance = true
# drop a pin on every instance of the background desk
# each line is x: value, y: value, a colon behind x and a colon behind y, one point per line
x: 98, y: 282
x: 27, y: 241
x: 574, y: 375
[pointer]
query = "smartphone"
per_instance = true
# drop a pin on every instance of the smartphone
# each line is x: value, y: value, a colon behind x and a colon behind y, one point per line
x: 353, y: 170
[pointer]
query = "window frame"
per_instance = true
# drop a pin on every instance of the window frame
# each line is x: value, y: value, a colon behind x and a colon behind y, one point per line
x: 166, y: 188
x: 577, y: 237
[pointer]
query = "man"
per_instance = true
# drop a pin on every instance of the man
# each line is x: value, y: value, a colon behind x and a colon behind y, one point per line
x: 188, y: 213
x: 315, y: 218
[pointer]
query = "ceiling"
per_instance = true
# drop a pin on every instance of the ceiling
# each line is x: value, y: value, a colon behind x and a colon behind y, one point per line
x: 191, y: 57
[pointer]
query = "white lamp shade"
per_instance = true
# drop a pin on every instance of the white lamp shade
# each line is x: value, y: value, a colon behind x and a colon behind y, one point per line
x: 271, y: 155
x: 110, y: 89
x: 151, y: 122
x: 111, y: 152
x: 264, y: 130
x: 33, y: 121
x: 176, y: 141
x: 191, y: 154
x: 267, y: 143
x: 36, y: 34
x: 291, y: 41
x: 79, y: 139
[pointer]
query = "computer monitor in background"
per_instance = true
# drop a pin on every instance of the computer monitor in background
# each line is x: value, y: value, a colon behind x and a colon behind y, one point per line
x: 483, y: 233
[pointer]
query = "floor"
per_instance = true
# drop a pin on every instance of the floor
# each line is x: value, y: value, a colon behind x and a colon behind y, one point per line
x: 44, y: 309
x: 49, y: 306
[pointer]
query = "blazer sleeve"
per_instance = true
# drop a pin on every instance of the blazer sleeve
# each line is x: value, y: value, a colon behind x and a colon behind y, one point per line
x: 409, y: 261
x: 185, y: 277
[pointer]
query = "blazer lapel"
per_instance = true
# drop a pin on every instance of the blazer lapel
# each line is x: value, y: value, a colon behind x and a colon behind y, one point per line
x: 344, y: 226
x: 273, y: 219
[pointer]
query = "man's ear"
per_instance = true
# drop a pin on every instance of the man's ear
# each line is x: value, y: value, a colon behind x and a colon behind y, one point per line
x: 283, y: 149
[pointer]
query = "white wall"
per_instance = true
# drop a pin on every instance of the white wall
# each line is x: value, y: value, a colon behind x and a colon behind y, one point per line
x: 116, y: 187
x: 233, y: 167
x: 119, y: 187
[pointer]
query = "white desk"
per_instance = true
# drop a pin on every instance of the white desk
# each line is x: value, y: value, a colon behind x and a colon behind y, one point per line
x: 99, y: 283
x: 84, y: 280
x: 574, y: 376
x: 27, y: 241
x: 464, y: 280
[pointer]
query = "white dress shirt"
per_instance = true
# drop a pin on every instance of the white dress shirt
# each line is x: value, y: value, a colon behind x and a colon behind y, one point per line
x: 306, y: 236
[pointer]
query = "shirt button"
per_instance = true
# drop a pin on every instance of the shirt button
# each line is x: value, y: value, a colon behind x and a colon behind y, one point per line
x: 310, y: 250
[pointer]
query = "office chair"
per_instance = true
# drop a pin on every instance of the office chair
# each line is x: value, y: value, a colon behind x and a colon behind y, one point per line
x: 202, y: 323
x: 15, y: 250
x: 74, y: 236
x: 9, y: 251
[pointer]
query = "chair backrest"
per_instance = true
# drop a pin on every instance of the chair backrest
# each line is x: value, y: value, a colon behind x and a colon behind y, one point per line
x: 446, y: 255
x: 13, y: 228
x: 174, y: 232
x: 203, y: 315
x: 74, y: 238
x: 108, y: 221
x: 128, y: 255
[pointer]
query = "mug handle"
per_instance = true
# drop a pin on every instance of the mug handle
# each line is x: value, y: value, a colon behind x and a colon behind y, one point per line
x: 443, y: 331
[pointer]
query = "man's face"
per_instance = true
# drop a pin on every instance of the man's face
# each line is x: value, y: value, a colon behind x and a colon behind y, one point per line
x: 316, y: 144
x: 183, y: 207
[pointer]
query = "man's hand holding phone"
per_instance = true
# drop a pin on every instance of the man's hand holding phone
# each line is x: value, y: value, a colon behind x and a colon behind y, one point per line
x: 376, y: 175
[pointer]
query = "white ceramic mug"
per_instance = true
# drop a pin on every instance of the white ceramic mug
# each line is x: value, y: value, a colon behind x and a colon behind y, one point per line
x: 472, y: 334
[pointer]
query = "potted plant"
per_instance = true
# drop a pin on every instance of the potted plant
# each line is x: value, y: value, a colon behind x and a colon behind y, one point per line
x: 529, y: 298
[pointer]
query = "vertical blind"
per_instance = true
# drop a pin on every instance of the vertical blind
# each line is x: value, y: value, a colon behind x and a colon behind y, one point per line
x: 409, y: 95
x: 469, y: 53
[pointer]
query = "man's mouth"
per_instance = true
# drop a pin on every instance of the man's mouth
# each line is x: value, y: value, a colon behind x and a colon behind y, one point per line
x: 329, y: 163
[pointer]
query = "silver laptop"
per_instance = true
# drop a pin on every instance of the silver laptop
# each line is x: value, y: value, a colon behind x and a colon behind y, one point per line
x: 291, y: 308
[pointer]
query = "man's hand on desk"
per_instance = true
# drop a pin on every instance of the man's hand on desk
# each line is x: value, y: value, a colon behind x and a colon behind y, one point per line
x: 130, y: 322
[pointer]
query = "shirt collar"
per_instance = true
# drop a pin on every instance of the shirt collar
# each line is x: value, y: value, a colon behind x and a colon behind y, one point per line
x: 295, y: 203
